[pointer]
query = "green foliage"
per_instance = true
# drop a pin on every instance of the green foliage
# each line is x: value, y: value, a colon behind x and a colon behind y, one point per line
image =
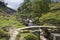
x: 31, y: 37
x: 4, y: 35
x: 18, y: 37
x: 24, y: 9
x: 55, y: 6
x: 9, y: 20
x: 34, y: 8
x: 3, y: 39
x: 51, y: 17
x: 43, y: 11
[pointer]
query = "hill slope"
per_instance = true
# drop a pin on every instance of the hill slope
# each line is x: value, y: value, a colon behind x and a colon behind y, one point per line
x: 7, y: 17
x: 52, y: 17
x: 42, y: 12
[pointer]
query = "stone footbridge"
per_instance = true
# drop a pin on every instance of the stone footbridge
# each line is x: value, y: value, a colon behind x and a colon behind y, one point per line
x: 29, y: 28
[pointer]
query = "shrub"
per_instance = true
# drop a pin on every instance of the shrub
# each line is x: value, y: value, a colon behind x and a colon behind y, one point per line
x: 18, y: 36
x: 31, y: 37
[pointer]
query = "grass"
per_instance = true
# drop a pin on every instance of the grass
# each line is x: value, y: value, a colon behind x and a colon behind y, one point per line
x: 8, y: 20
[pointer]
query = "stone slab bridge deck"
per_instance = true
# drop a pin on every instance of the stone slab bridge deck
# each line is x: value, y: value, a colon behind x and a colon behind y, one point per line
x: 36, y: 27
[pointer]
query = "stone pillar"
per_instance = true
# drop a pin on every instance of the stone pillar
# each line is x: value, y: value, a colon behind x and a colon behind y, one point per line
x: 54, y: 38
x: 42, y: 35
